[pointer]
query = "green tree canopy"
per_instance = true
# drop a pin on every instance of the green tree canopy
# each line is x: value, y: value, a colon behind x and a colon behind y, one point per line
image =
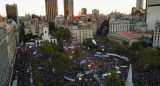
x: 62, y: 33
x: 47, y: 48
x: 113, y: 79
x: 60, y: 62
x: 148, y: 56
x: 135, y: 46
x: 77, y: 53
x: 51, y: 26
x: 88, y: 43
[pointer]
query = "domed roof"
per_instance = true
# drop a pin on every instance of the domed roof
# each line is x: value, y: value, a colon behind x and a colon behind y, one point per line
x: 143, y: 24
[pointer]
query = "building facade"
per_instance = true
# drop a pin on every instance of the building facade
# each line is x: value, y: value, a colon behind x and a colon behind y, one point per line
x: 152, y: 13
x: 51, y: 9
x: 45, y: 36
x: 139, y: 4
x: 81, y: 32
x: 83, y: 11
x: 12, y: 12
x: 34, y: 26
x: 95, y: 11
x: 119, y: 26
x: 4, y: 59
x: 68, y: 9
x: 156, y: 37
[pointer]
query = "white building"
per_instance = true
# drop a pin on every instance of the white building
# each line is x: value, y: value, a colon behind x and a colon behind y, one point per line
x: 81, y: 32
x: 153, y: 13
x: 59, y: 20
x: 119, y: 26
x: 156, y: 37
x: 45, y: 36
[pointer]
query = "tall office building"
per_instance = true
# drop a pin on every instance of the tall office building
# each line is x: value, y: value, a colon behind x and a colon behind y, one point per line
x: 51, y: 9
x: 12, y: 12
x: 153, y: 13
x: 139, y: 4
x: 83, y: 11
x: 68, y: 9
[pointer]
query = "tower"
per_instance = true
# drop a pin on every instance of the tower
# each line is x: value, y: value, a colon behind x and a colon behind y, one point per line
x: 68, y: 9
x: 51, y: 9
x: 83, y: 11
x: 139, y: 4
x: 12, y: 12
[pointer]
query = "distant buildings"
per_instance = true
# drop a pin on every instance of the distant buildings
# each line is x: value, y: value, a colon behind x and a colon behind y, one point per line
x: 95, y: 11
x: 83, y: 11
x: 139, y: 4
x: 153, y: 13
x: 12, y: 12
x: 68, y: 9
x: 81, y: 32
x: 45, y: 36
x: 156, y: 37
x: 51, y: 9
x: 34, y: 25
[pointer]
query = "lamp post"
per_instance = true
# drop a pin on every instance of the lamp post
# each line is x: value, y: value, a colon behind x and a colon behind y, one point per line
x: 89, y: 65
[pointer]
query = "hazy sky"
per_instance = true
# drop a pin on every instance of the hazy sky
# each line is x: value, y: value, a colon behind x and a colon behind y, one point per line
x: 38, y: 6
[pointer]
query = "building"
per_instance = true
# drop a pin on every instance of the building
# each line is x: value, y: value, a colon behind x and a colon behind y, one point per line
x: 45, y: 36
x: 51, y: 9
x: 95, y: 11
x: 4, y: 59
x: 1, y: 17
x: 81, y: 32
x: 68, y: 9
x: 139, y: 4
x: 119, y: 26
x: 140, y: 34
x: 12, y: 12
x: 59, y: 20
x: 83, y: 11
x: 153, y: 13
x: 123, y: 36
x: 156, y: 37
x: 34, y: 25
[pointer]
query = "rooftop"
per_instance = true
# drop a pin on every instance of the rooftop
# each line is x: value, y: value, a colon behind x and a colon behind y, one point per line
x: 127, y: 35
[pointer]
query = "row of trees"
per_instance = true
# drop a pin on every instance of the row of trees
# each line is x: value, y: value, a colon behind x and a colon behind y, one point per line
x: 59, y: 32
x: 137, y: 52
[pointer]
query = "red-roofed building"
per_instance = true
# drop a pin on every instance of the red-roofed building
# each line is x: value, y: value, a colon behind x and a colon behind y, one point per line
x: 123, y: 36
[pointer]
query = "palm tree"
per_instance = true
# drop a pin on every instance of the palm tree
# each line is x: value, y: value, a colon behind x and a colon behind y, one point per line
x: 112, y: 79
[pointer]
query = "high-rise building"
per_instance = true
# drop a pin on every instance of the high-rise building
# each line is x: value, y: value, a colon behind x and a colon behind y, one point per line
x: 83, y: 11
x: 51, y: 9
x: 95, y: 11
x: 12, y: 12
x: 156, y: 39
x: 153, y: 13
x: 68, y: 9
x: 139, y: 4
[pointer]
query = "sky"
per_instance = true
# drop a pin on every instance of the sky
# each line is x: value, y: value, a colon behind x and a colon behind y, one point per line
x: 38, y: 6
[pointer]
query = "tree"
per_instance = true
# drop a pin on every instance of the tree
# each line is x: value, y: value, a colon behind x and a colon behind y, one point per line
x: 148, y: 56
x: 88, y: 43
x: 60, y: 62
x: 47, y: 48
x: 106, y: 40
x: 61, y: 46
x: 112, y: 79
x: 77, y: 53
x: 135, y: 46
x: 62, y: 33
x: 125, y: 45
x: 51, y: 26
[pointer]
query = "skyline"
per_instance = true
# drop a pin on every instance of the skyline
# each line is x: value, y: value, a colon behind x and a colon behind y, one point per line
x: 104, y: 6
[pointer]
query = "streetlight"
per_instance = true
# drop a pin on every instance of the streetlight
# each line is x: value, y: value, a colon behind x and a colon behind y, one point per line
x: 80, y: 78
x: 89, y: 65
x: 30, y: 46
